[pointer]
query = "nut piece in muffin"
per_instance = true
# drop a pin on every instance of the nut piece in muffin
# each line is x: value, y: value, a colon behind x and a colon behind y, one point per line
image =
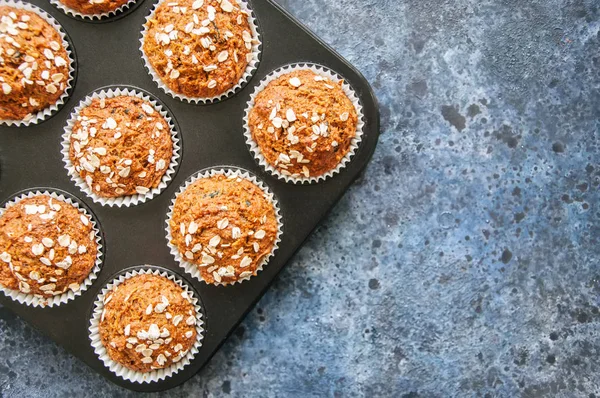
x: 93, y: 7
x: 199, y: 48
x: 120, y: 146
x: 225, y: 226
x: 34, y: 65
x: 148, y: 323
x: 47, y: 246
x: 303, y: 124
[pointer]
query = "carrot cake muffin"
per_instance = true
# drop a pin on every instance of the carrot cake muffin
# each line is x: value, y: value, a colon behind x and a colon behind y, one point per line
x: 199, y: 48
x: 303, y: 124
x: 47, y: 246
x: 226, y: 226
x: 148, y: 323
x: 94, y: 7
x: 120, y: 146
x: 34, y: 65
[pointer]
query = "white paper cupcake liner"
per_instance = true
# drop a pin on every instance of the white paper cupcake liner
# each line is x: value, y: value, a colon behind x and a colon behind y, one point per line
x: 193, y: 269
x: 52, y: 109
x: 117, y: 368
x: 121, y: 201
x: 248, y: 73
x: 321, y: 71
x: 41, y: 301
x: 91, y: 17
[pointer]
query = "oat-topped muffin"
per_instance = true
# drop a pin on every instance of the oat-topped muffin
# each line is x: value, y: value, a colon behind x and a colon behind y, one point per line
x: 93, y: 7
x: 199, y: 48
x: 148, y: 323
x: 47, y: 246
x: 120, y: 146
x: 224, y: 225
x: 34, y: 65
x: 303, y: 124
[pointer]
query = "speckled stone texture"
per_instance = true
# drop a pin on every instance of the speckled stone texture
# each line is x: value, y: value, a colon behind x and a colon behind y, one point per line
x: 466, y: 262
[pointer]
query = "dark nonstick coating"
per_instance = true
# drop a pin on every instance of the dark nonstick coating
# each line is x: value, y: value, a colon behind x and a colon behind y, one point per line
x: 108, y: 54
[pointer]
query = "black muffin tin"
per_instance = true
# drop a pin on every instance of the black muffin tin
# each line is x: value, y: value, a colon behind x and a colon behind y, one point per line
x: 212, y: 135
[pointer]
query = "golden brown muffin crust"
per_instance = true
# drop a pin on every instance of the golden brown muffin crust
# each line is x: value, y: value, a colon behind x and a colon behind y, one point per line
x: 224, y: 225
x: 34, y: 66
x: 303, y: 124
x: 121, y: 146
x: 148, y: 323
x: 92, y: 7
x: 199, y: 48
x: 47, y: 246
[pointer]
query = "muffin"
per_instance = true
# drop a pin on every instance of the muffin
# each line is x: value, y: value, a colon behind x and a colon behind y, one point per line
x: 94, y: 7
x: 120, y: 146
x: 47, y: 247
x: 199, y: 48
x: 34, y: 64
x: 303, y: 124
x: 225, y: 227
x: 148, y: 323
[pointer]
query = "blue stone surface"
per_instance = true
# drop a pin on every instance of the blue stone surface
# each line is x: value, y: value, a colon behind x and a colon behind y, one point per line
x: 466, y: 262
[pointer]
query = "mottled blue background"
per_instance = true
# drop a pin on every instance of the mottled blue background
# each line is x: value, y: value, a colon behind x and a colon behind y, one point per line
x: 466, y: 261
